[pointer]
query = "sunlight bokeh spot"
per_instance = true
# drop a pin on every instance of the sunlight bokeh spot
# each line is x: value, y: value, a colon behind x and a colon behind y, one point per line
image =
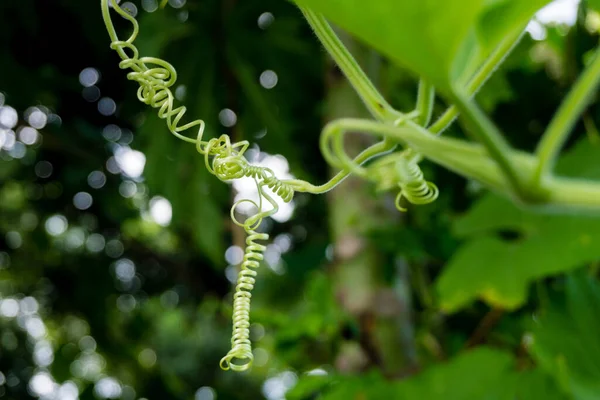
x: 82, y: 200
x: 8, y: 117
x: 56, y: 225
x: 161, y: 210
x: 89, y: 76
x: 227, y: 117
x: 96, y: 179
x: 265, y: 20
x: 107, y: 106
x: 28, y: 135
x: 268, y: 79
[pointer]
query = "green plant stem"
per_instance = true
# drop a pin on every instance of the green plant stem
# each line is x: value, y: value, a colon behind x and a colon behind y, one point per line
x: 425, y: 100
x: 471, y: 160
x: 484, y: 130
x: 374, y: 101
x: 565, y: 194
x: 369, y: 153
x: 567, y: 115
x: 479, y: 79
x: 468, y: 159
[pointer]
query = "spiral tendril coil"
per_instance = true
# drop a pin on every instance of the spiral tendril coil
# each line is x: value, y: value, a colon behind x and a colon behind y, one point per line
x: 226, y: 161
x: 223, y: 159
x: 240, y: 357
x: 413, y: 186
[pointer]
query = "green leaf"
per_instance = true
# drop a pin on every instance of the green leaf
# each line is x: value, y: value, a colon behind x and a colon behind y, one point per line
x: 481, y: 374
x: 536, y: 384
x: 440, y: 40
x: 565, y: 339
x: 489, y: 372
x: 502, y: 17
x: 307, y: 386
x: 498, y: 270
x: 424, y: 36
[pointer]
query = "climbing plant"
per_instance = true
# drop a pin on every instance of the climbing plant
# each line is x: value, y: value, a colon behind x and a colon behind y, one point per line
x: 453, y: 47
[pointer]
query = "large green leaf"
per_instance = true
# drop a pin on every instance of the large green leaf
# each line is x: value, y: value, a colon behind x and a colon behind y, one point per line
x: 440, y: 40
x: 498, y: 270
x: 536, y: 384
x: 565, y: 339
x: 481, y: 374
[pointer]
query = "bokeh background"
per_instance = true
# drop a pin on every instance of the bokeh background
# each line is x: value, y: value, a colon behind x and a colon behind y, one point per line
x: 117, y: 254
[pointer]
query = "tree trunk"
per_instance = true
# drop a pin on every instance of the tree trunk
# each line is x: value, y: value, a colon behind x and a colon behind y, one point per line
x: 383, y: 314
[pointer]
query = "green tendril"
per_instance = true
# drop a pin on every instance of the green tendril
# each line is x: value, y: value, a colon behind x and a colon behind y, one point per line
x: 413, y: 186
x: 225, y: 160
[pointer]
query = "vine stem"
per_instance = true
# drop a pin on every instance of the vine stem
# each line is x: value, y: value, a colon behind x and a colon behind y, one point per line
x: 490, y: 65
x: 374, y: 101
x: 470, y: 160
x: 564, y: 120
x: 486, y: 132
x: 425, y: 101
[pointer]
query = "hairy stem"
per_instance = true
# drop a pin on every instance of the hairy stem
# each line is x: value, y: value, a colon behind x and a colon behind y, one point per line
x: 479, y: 79
x: 564, y: 120
x: 374, y: 101
x: 425, y: 100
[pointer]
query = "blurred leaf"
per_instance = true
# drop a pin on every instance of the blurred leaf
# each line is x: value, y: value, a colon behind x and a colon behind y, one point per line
x: 501, y: 17
x: 499, y: 271
x: 490, y: 376
x: 537, y: 385
x: 565, y: 339
x: 308, y: 386
x: 402, y: 30
x: 318, y: 316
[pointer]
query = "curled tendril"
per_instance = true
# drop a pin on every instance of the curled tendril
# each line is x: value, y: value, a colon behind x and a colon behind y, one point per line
x: 223, y: 159
x: 226, y: 161
x: 400, y: 169
x: 240, y: 357
x: 413, y: 186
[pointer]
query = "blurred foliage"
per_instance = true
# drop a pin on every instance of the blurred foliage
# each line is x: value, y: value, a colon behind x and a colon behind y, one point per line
x: 500, y: 269
x: 455, y: 49
x: 101, y: 297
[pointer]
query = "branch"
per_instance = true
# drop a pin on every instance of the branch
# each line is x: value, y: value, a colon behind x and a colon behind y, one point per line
x: 564, y: 120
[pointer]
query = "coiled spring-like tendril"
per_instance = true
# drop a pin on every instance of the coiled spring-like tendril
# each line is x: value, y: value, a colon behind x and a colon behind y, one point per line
x: 223, y: 159
x: 240, y: 356
x: 413, y: 186
x: 226, y: 161
x: 401, y: 169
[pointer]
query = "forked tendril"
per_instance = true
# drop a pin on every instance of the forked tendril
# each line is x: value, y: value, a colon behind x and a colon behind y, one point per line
x: 226, y: 161
x: 398, y: 170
